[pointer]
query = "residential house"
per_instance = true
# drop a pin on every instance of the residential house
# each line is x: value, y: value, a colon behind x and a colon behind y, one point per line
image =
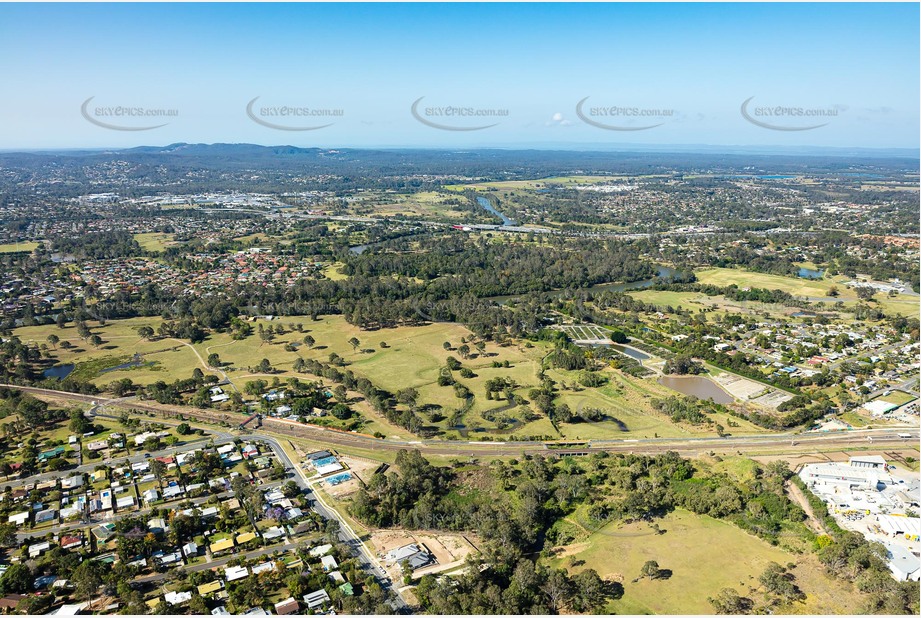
x: 222, y: 545
x: 316, y: 599
x: 177, y: 598
x: 72, y: 482
x: 234, y: 573
x: 329, y: 563
x: 286, y: 607
x: 210, y: 587
x: 19, y: 518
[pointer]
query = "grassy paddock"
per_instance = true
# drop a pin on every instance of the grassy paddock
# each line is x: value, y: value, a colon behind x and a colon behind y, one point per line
x: 413, y: 357
x: 814, y: 288
x: 155, y: 242
x: 732, y: 559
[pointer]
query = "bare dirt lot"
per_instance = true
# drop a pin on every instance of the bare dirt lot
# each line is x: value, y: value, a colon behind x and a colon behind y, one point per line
x: 448, y: 549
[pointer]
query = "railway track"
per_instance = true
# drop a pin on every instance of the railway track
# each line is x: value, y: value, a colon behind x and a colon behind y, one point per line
x: 787, y: 442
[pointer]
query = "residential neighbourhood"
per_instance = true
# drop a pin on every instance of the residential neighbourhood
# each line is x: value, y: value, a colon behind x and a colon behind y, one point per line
x: 224, y: 512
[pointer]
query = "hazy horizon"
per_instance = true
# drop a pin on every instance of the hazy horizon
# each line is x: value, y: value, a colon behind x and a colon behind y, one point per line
x: 514, y: 76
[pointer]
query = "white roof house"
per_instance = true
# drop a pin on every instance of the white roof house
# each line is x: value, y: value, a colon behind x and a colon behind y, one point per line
x: 190, y: 548
x: 401, y: 553
x: 177, y: 598
x: 171, y: 491
x: 329, y: 468
x: 19, y: 518
x: 316, y: 599
x: 71, y: 482
x: 38, y: 548
x: 320, y: 550
x: 236, y: 572
x: 170, y: 558
x: 263, y: 567
x: 329, y: 563
x: 273, y: 533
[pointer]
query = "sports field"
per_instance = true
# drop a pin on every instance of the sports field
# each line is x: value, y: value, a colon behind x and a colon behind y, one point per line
x: 14, y: 247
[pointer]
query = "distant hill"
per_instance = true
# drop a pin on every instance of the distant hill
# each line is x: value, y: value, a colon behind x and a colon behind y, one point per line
x: 219, y: 150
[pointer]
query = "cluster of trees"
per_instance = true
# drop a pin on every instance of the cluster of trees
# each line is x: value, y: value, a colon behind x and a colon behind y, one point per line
x: 18, y: 362
x: 98, y: 245
x: 519, y: 589
x: 32, y: 412
x: 504, y: 578
x: 381, y: 401
x: 683, y: 365
x: 172, y: 393
x: 686, y: 409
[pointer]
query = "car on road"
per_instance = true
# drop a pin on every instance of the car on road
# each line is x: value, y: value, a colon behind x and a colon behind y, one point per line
x: 146, y: 455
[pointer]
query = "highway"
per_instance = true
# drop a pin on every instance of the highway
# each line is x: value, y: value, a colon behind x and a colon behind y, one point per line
x: 789, y: 442
x: 793, y: 442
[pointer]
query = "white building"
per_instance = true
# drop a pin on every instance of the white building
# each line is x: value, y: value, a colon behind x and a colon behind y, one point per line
x: 867, y: 461
x: 235, y: 572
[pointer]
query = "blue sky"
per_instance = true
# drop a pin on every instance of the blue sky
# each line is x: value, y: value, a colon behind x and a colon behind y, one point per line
x: 686, y: 67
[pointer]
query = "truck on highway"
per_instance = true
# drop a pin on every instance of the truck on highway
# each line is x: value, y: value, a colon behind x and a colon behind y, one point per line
x: 905, y: 436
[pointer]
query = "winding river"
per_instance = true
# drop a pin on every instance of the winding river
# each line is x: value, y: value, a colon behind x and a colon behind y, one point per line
x: 487, y: 205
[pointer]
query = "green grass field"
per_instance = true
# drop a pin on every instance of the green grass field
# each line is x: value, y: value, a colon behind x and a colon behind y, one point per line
x: 791, y: 285
x: 155, y: 242
x: 172, y: 359
x: 413, y: 357
x: 331, y: 272
x: 815, y: 288
x: 898, y: 398
x: 715, y: 306
x: 17, y: 247
x: 704, y: 555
